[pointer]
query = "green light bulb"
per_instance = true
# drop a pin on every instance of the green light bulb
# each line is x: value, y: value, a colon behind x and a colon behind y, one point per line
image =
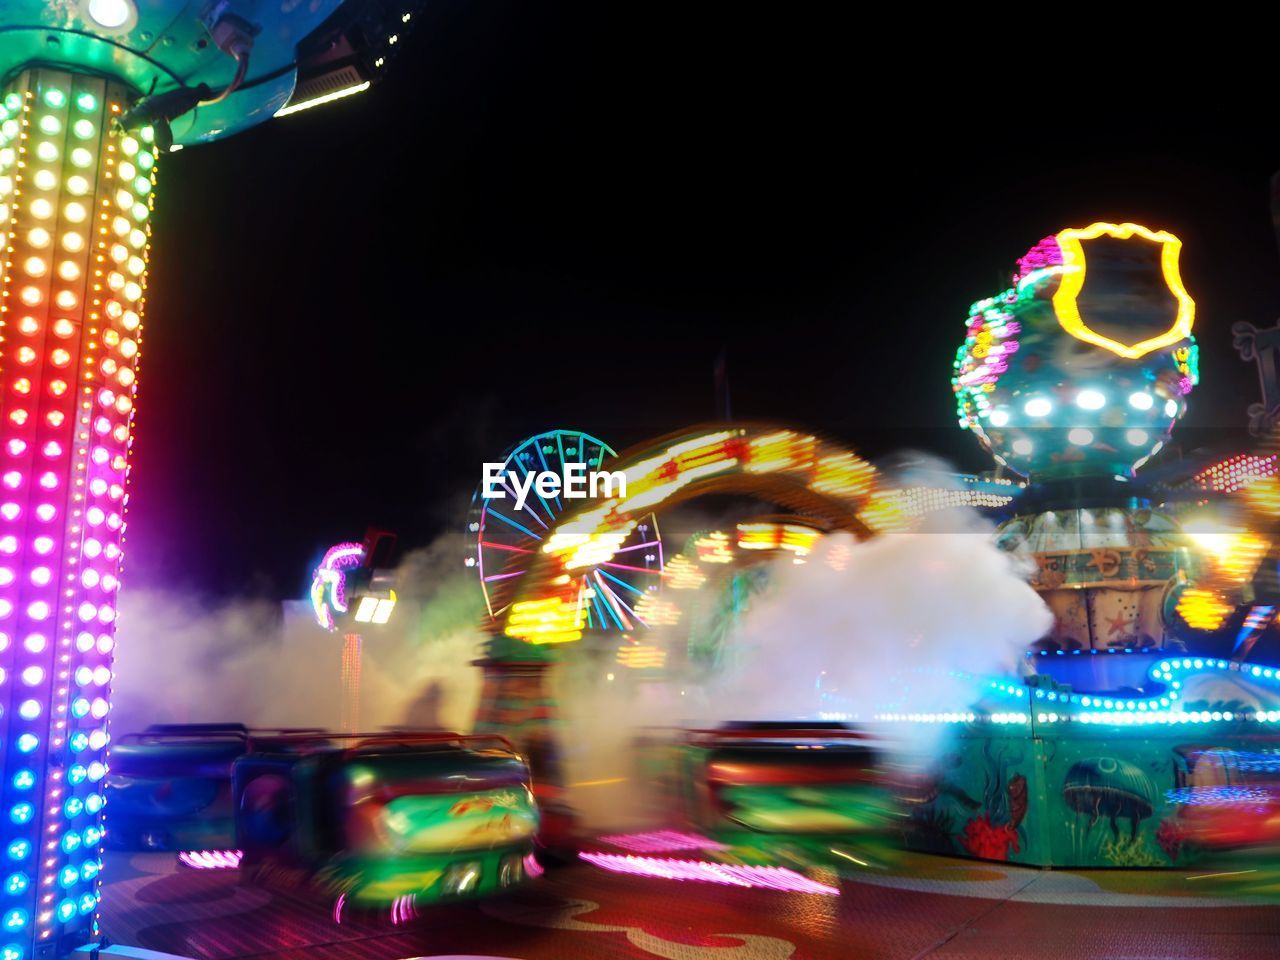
x: 55, y: 98
x: 87, y: 102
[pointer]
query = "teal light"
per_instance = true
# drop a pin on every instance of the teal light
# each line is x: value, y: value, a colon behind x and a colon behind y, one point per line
x: 21, y: 812
x: 15, y: 920
x: 87, y: 102
x: 73, y: 808
x: 66, y: 910
x: 70, y: 842
x: 76, y: 774
x: 24, y: 780
x: 55, y: 98
x: 88, y: 903
x: 16, y: 883
x: 28, y: 742
x: 78, y: 741
x: 19, y: 850
x: 10, y: 951
x: 68, y: 877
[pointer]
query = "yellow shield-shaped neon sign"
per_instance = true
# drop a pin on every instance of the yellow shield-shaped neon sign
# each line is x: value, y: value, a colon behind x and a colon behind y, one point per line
x: 1074, y: 268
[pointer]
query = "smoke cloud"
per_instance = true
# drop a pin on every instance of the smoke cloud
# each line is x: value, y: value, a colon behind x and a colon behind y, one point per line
x: 181, y: 660
x: 898, y: 623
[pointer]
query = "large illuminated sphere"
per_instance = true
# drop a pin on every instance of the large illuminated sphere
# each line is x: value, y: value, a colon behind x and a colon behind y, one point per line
x: 1083, y: 366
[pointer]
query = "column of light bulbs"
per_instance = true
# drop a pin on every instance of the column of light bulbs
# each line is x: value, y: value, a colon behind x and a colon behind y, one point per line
x: 75, y: 205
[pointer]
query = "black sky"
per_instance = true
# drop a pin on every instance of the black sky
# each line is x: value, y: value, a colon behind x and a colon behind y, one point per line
x: 546, y: 218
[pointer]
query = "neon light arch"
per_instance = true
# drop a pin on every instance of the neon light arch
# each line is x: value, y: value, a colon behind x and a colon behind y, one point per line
x: 799, y: 471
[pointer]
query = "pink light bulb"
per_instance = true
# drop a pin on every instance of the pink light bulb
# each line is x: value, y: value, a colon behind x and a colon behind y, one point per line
x: 52, y: 449
x: 8, y: 544
x: 106, y: 614
x: 43, y: 545
x: 12, y: 479
x: 87, y: 611
x: 92, y: 547
x: 100, y: 455
x: 38, y: 610
x: 41, y: 576
x: 49, y: 481
x: 106, y: 644
x: 16, y: 448
x: 35, y: 642
x: 46, y: 512
x: 95, y: 516
x: 10, y: 511
x: 90, y: 577
x: 109, y: 583
x: 6, y: 576
x: 97, y: 486
x: 6, y: 608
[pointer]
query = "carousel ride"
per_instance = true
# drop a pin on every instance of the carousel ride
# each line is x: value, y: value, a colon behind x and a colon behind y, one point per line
x: 1137, y: 724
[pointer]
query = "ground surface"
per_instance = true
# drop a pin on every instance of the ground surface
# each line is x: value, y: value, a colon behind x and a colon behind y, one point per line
x: 924, y: 907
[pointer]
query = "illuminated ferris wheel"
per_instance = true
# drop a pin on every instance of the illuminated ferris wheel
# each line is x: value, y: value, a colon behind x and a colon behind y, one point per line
x: 505, y: 535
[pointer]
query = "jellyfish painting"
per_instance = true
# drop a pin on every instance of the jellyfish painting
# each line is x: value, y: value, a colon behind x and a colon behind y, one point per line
x: 1106, y: 787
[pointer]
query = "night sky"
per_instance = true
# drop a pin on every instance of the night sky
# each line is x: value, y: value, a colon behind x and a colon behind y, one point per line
x: 545, y: 218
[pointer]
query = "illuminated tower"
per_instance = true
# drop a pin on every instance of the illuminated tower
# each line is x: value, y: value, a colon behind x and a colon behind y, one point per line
x: 77, y: 195
x: 94, y: 91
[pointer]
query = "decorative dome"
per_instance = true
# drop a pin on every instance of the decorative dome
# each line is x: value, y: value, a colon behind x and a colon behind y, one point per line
x: 1082, y: 367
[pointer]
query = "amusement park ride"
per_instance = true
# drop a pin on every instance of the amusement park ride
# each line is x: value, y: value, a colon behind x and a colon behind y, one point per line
x: 1141, y: 725
x: 1140, y: 705
x: 91, y: 94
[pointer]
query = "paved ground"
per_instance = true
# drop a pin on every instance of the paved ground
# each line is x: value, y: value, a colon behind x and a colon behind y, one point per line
x: 925, y: 907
